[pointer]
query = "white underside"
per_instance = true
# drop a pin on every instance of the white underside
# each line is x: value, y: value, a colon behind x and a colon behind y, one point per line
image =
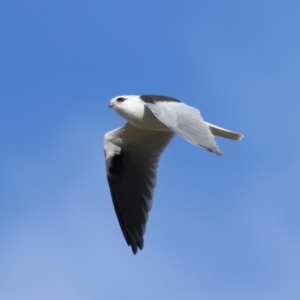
x: 143, y: 118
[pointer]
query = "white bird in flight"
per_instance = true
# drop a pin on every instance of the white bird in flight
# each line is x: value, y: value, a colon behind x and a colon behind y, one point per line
x: 132, y: 153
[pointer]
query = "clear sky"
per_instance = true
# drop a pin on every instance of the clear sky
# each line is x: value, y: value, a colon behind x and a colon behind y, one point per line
x: 220, y: 228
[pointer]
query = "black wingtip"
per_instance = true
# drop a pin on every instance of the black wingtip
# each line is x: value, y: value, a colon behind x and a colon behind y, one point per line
x: 135, y: 242
x: 134, y: 249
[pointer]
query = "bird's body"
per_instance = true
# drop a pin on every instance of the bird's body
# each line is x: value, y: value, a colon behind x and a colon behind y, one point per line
x: 132, y: 153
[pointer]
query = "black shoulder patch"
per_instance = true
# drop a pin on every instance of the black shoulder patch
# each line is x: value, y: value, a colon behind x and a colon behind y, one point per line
x: 154, y: 98
x: 117, y: 163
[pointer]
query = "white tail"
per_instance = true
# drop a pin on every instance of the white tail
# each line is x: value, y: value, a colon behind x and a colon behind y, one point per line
x: 215, y: 130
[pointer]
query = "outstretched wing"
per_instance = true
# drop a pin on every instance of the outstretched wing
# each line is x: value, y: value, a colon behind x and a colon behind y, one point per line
x: 184, y: 120
x: 132, y: 156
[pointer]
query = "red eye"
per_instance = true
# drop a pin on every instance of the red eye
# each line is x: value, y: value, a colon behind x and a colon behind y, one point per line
x: 121, y: 99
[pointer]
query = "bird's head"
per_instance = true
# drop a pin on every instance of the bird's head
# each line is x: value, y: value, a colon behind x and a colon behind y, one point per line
x: 118, y: 102
x: 127, y: 106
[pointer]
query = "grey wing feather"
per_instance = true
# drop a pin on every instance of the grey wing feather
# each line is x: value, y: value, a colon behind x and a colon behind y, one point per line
x: 132, y: 156
x: 187, y: 122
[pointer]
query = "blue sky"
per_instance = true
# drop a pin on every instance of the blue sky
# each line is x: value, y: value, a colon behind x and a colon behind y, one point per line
x: 220, y: 228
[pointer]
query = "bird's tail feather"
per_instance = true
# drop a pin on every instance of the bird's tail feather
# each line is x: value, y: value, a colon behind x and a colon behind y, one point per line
x: 215, y: 130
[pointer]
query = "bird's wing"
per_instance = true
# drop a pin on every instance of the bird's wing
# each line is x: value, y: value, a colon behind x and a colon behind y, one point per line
x: 132, y: 156
x: 186, y: 121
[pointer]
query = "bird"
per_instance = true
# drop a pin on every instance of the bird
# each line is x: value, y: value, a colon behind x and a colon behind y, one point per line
x: 132, y: 153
